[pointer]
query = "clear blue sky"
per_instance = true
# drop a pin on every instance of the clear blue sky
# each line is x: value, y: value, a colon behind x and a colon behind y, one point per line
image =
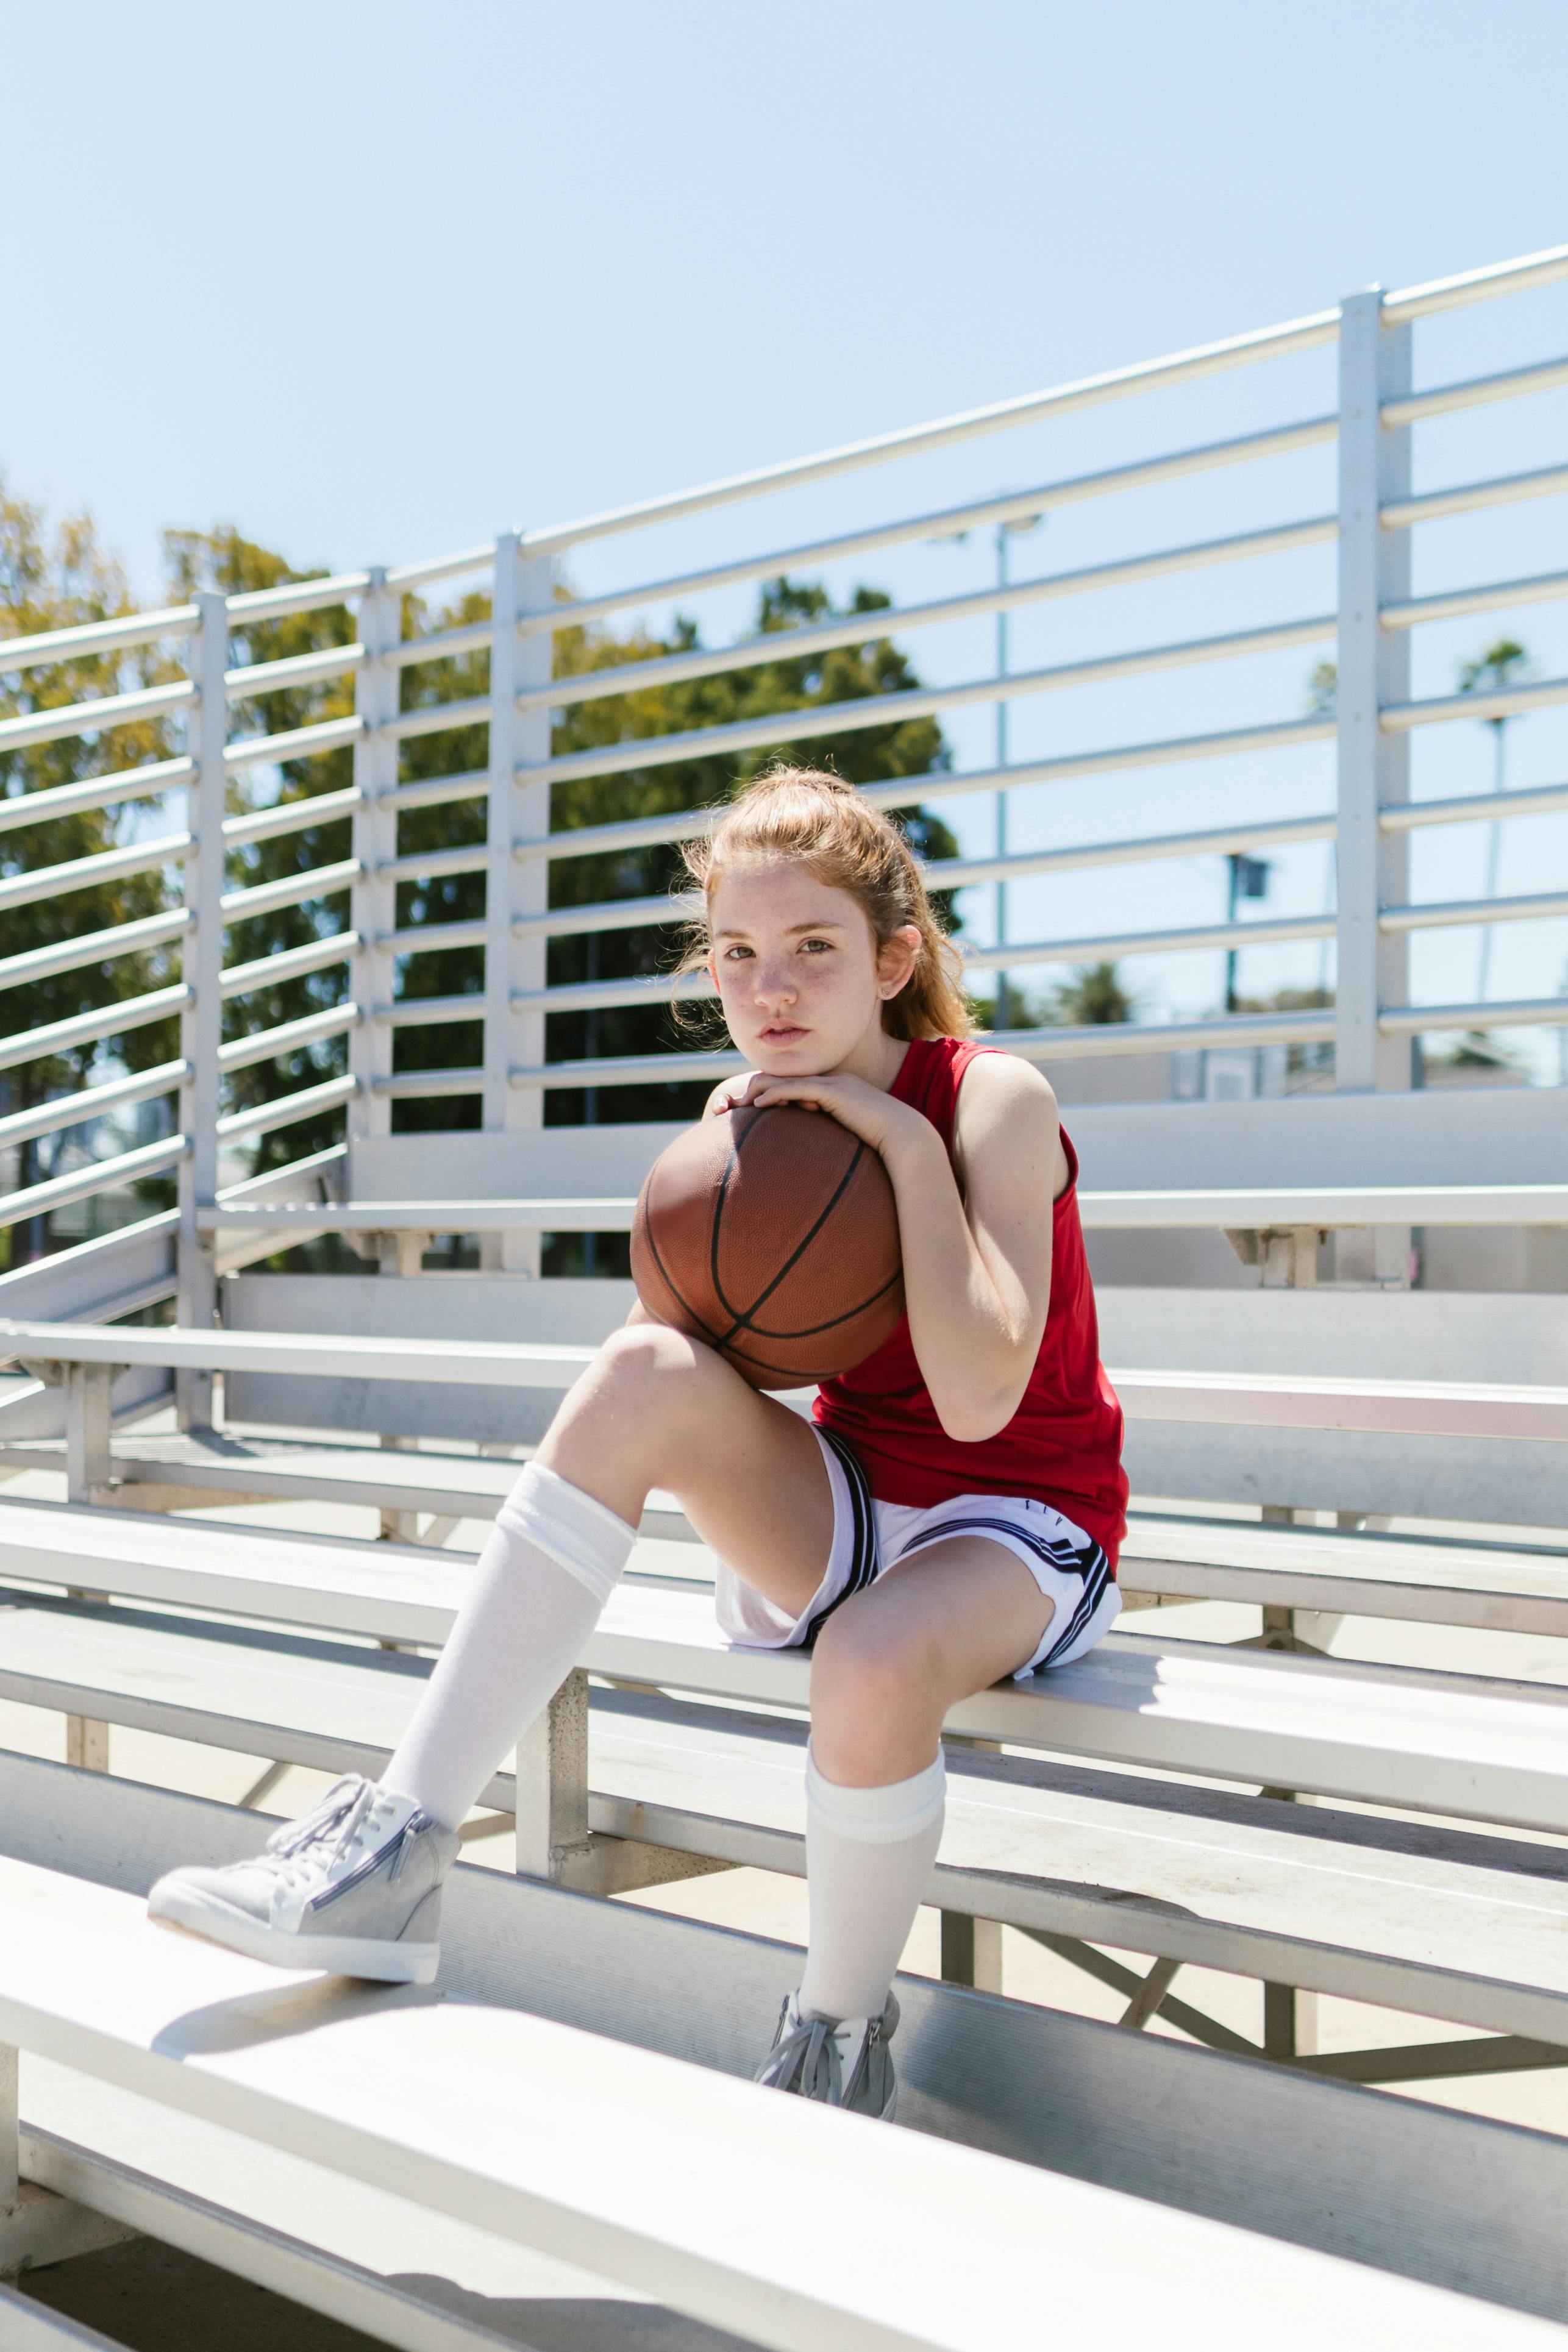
x: 373, y: 280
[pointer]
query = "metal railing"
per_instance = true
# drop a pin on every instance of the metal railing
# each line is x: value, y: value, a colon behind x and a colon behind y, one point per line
x: 1371, y: 630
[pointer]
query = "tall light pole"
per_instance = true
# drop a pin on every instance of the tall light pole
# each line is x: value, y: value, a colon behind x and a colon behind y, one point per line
x: 1005, y: 531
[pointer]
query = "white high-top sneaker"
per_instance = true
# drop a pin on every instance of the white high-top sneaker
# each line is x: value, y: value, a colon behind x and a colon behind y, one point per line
x: 353, y: 1888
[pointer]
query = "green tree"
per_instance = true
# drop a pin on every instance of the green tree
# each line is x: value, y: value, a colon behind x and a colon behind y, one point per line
x: 55, y: 577
x: 1094, y: 995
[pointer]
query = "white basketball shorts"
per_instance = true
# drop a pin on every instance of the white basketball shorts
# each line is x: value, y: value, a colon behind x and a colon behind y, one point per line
x: 870, y: 1537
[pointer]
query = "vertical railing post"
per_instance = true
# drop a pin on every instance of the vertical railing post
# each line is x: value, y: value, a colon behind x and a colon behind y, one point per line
x: 1373, y: 670
x: 201, y: 1022
x: 374, y: 899
x: 519, y: 811
x: 1373, y: 866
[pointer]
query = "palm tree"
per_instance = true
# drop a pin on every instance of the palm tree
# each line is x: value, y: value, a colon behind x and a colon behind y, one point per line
x: 1503, y: 664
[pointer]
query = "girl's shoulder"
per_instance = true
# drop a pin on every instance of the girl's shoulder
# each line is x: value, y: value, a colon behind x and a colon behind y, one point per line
x: 990, y: 1075
x: 1005, y: 1115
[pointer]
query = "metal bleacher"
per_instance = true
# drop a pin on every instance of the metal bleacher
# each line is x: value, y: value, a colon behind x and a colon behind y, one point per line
x: 239, y: 1505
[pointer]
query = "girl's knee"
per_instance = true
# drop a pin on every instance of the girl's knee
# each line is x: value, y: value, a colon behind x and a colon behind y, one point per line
x: 647, y: 1367
x: 876, y: 1694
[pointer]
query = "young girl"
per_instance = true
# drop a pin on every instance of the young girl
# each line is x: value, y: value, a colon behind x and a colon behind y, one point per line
x: 950, y: 1516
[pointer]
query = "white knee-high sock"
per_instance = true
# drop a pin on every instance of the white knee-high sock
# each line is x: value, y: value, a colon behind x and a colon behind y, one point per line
x: 868, y: 1853
x: 553, y: 1558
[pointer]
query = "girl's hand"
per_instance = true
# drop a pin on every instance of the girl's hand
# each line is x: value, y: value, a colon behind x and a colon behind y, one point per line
x: 866, y: 1110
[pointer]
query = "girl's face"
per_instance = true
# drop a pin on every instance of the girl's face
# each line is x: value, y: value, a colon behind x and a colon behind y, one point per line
x: 797, y: 968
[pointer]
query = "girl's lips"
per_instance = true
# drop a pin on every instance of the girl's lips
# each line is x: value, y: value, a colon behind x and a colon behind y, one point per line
x: 781, y: 1033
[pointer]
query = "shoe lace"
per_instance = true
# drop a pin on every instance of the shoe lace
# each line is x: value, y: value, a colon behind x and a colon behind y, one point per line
x: 806, y: 2060
x: 320, y: 1836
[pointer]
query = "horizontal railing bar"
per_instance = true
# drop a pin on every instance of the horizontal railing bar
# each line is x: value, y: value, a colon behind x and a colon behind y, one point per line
x: 860, y: 629
x: 1475, y: 286
x: 295, y: 743
x: 1273, y: 931
x: 445, y: 644
x: 609, y: 915
x: 578, y: 1215
x: 1028, y: 408
x: 292, y: 816
x: 442, y: 567
x: 61, y: 1192
x: 429, y: 1012
x: 1500, y: 702
x: 1087, y: 1044
x: 158, y: 776
x: 264, y: 1119
x: 83, y: 873
x: 1524, y: 1013
x: 1510, y: 385
x: 1332, y: 1206
x: 89, y: 637
x: 294, y: 963
x: 297, y: 670
x: 878, y: 710
x: 436, y: 719
x: 86, y: 1028
x: 1453, y: 603
x: 1405, y: 816
x: 430, y: 1085
x: 435, y: 791
x: 96, y: 717
x: 1466, y: 497
x: 628, y: 1070
x: 290, y: 890
x: 1212, y: 841
x: 88, y: 1102
x: 949, y: 522
x: 956, y: 873
x: 685, y: 825
x: 300, y: 596
x: 425, y: 939
x: 309, y: 1030
x: 432, y: 864
x: 91, y: 947
x: 601, y: 995
x: 1537, y: 907
x: 261, y: 1188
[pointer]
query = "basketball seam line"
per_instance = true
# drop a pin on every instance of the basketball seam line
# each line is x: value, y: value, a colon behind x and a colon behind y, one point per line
x: 744, y: 1322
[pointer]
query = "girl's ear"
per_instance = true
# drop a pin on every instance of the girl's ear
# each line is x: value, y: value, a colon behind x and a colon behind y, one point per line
x: 896, y: 960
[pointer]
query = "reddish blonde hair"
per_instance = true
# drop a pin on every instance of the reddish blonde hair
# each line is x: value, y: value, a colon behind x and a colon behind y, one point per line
x: 807, y: 814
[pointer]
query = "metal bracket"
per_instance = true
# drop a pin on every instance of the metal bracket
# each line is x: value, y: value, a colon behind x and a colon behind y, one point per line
x: 35, y: 2226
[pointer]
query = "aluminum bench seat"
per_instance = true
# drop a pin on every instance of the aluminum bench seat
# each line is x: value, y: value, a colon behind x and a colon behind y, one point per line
x: 662, y: 2175
x: 1393, y: 2183
x: 1441, y: 1921
x: 1461, y: 1745
x: 1501, y: 1587
x: 178, y: 1471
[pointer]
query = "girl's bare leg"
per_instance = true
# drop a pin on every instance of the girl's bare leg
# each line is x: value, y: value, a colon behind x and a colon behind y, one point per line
x: 932, y: 1631
x: 889, y: 1663
x: 653, y: 1409
x: 657, y: 1409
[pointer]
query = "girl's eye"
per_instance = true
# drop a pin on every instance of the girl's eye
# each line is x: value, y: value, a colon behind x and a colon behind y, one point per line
x: 733, y: 951
x: 824, y: 944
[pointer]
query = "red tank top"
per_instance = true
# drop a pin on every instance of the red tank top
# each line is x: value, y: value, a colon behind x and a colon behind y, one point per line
x: 1063, y: 1445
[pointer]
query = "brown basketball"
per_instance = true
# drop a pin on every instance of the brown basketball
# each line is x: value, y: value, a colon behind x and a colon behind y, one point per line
x: 772, y: 1236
